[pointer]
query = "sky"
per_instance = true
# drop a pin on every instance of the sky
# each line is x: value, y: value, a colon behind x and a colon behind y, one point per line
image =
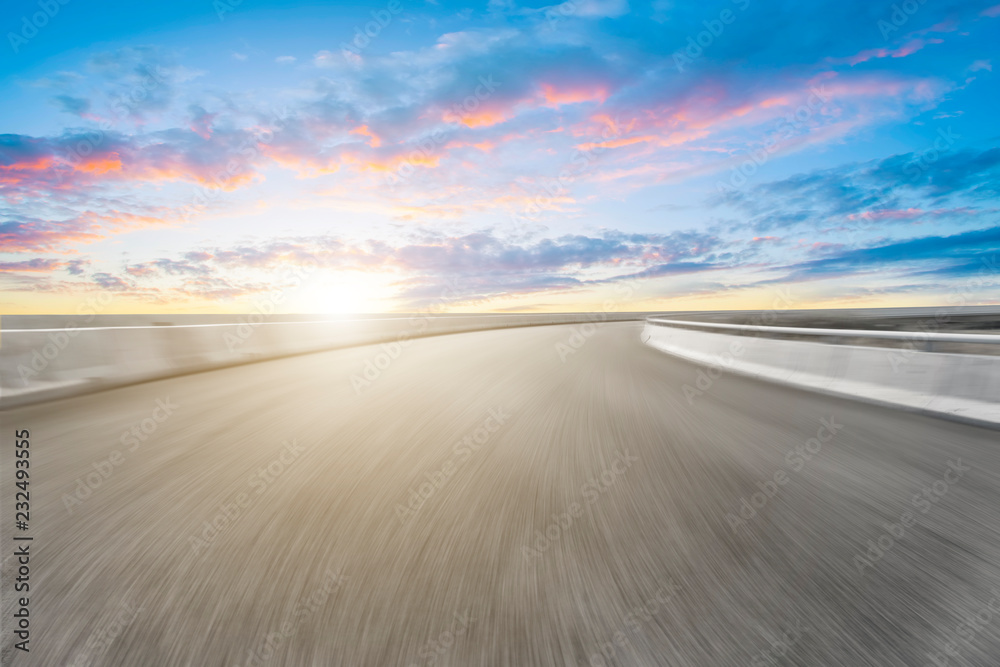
x: 418, y: 155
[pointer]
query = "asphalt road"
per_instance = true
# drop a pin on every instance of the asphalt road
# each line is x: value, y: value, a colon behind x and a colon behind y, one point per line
x: 400, y: 528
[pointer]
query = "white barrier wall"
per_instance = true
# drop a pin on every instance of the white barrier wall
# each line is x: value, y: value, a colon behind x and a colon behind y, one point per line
x: 958, y: 386
x: 60, y: 357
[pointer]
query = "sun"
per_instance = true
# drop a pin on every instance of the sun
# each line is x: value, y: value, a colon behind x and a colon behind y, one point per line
x: 342, y: 300
x: 342, y: 294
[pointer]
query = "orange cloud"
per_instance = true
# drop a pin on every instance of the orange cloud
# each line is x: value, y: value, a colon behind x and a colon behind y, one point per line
x: 373, y: 140
x: 18, y: 172
x: 484, y: 118
x: 303, y: 167
x: 617, y: 143
x: 484, y: 146
x: 555, y: 98
x: 101, y: 165
x: 417, y: 159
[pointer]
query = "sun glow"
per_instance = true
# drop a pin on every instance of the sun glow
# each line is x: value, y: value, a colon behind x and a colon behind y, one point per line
x: 343, y: 294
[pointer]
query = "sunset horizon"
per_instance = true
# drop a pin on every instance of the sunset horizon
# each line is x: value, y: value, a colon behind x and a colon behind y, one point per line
x: 197, y: 157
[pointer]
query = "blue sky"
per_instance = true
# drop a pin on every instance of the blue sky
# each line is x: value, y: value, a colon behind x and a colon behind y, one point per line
x: 596, y: 154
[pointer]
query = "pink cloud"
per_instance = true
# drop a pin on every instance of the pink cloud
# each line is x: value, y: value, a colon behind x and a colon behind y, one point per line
x: 201, y: 124
x: 37, y: 265
x: 32, y: 165
x: 373, y: 139
x: 907, y: 49
x: 554, y: 96
x: 888, y: 214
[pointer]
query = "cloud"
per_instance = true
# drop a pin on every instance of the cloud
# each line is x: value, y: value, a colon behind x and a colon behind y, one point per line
x: 168, y: 267
x: 480, y: 121
x: 140, y: 82
x: 474, y: 87
x: 957, y: 255
x: 485, y: 264
x: 324, y: 58
x: 37, y: 265
x: 76, y: 106
x: 26, y: 235
x: 909, y: 48
x: 225, y: 160
x: 201, y: 121
x: 110, y: 282
x: 75, y: 266
x: 872, y: 190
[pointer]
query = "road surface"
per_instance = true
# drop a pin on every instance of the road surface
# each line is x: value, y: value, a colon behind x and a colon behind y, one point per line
x: 483, y: 502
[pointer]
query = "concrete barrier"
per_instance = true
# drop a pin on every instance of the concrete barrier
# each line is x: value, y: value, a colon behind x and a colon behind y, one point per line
x: 964, y: 387
x: 48, y: 357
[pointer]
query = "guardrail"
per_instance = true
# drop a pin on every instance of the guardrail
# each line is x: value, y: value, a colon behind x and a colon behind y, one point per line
x: 40, y: 362
x: 835, y: 336
x: 963, y: 386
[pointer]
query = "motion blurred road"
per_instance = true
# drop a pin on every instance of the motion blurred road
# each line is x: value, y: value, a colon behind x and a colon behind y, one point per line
x: 599, y: 523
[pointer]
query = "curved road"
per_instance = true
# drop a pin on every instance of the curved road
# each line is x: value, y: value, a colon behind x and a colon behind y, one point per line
x: 482, y: 502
